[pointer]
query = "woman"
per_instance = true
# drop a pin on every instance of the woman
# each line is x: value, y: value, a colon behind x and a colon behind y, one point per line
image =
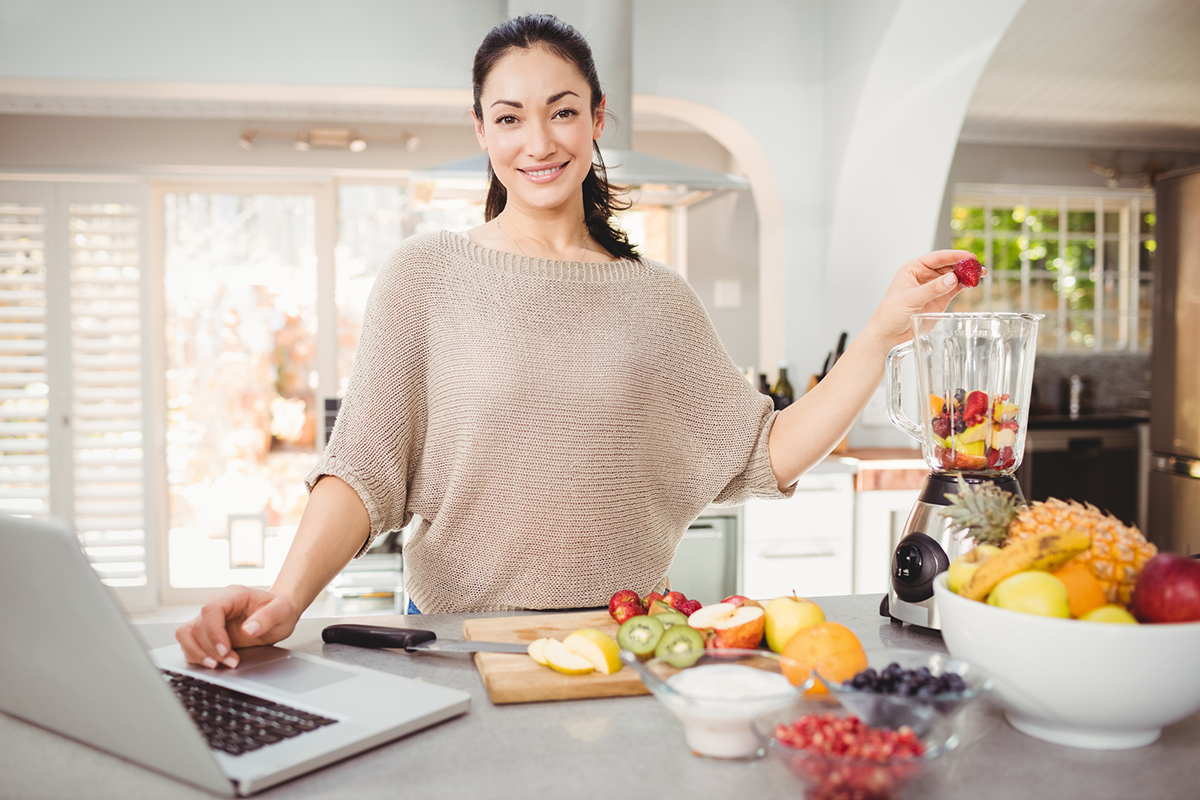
x: 556, y: 409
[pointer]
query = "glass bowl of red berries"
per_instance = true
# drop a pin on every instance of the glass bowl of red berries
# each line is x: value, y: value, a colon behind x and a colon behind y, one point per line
x: 944, y: 683
x: 838, y: 755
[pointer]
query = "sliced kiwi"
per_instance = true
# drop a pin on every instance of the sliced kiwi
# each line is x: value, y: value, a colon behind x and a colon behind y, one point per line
x: 680, y: 646
x: 640, y: 634
x: 669, y: 618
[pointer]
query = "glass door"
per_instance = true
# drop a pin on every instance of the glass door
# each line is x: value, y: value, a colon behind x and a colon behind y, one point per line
x: 239, y: 284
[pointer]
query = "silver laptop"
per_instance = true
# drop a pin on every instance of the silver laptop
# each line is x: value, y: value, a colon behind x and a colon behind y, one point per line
x: 71, y: 663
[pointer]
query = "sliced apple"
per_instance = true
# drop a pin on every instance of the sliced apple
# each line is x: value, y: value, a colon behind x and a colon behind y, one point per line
x: 1003, y: 437
x: 537, y: 651
x: 568, y: 662
x: 975, y: 433
x: 729, y: 625
x: 601, y: 651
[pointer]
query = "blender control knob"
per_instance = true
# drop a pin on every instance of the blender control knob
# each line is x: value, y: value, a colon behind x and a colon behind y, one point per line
x: 917, y: 561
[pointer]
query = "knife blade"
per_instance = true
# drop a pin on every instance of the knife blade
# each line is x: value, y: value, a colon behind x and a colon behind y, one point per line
x: 412, y: 640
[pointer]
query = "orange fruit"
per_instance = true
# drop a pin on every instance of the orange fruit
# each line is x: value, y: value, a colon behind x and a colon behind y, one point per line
x: 936, y: 404
x: 1084, y: 590
x: 833, y: 644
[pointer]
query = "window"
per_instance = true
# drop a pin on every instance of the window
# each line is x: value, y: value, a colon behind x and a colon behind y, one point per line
x: 1083, y: 258
x: 73, y: 376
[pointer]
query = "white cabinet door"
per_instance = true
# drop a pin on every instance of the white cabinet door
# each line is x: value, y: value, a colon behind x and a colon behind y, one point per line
x: 802, y: 544
x: 879, y: 519
x: 809, y: 566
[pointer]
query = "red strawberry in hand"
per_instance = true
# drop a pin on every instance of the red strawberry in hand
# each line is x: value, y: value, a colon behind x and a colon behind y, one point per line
x: 968, y: 271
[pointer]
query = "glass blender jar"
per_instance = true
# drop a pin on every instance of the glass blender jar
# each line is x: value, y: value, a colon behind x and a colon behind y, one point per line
x: 975, y: 373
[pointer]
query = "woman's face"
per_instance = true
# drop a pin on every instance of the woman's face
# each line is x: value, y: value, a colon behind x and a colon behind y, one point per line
x: 537, y: 128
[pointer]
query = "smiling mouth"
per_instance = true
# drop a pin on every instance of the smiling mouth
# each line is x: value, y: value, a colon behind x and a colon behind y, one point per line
x: 544, y: 172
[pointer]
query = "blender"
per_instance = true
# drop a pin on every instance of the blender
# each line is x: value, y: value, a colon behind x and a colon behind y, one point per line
x: 975, y: 373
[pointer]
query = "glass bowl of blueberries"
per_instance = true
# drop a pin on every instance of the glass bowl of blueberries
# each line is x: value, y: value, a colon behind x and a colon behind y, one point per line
x: 940, y: 681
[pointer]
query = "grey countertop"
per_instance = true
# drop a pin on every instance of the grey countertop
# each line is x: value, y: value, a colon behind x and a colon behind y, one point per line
x: 605, y: 748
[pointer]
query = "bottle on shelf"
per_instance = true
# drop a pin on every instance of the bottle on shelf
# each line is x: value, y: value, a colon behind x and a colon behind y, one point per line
x: 782, y: 393
x: 763, y: 386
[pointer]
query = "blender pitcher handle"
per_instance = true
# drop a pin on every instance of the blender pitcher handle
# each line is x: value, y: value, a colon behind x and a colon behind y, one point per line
x: 892, y: 373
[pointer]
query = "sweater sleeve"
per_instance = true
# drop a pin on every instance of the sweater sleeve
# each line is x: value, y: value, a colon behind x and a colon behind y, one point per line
x: 381, y: 421
x: 726, y: 421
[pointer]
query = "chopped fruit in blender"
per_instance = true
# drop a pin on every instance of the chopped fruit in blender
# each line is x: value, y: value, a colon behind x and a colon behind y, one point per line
x: 975, y: 407
x: 941, y: 426
x: 975, y: 433
x: 1003, y: 437
x: 966, y: 439
x: 968, y: 271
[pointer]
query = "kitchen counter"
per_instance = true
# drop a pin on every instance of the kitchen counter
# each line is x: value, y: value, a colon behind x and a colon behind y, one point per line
x: 616, y: 747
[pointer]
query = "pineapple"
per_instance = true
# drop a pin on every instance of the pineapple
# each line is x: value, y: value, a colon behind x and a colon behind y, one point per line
x: 983, y: 511
x: 992, y: 516
x: 1118, y: 551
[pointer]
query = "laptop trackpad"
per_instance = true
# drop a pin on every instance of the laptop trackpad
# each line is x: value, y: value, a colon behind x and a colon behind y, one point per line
x: 295, y: 675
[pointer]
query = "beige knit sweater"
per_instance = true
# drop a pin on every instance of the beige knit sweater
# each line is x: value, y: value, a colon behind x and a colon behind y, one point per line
x: 556, y: 425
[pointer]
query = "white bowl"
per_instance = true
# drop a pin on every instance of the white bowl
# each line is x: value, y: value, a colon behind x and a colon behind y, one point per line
x: 1084, y: 684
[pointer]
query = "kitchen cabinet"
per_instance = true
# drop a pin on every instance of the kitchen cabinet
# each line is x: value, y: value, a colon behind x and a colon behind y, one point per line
x: 803, y: 544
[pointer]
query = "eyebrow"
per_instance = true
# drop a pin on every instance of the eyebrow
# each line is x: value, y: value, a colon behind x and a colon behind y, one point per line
x: 554, y: 98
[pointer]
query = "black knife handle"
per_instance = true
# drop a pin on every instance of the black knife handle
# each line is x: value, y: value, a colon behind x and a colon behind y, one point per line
x: 376, y: 636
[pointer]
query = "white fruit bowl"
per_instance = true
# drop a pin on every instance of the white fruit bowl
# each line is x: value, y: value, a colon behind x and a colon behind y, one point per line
x: 1085, y: 684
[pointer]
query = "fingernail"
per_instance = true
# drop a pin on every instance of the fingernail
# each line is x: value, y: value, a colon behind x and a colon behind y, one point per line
x: 222, y: 650
x: 210, y: 662
x: 950, y: 279
x: 251, y: 628
x: 231, y: 662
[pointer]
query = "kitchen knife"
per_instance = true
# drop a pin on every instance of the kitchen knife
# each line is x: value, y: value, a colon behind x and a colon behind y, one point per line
x: 411, y: 640
x: 841, y: 347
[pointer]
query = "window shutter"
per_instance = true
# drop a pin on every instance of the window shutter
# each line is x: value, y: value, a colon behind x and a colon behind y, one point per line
x: 106, y: 375
x: 24, y: 391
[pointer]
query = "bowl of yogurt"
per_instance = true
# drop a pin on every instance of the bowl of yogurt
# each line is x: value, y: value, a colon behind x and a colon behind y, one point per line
x: 716, y: 695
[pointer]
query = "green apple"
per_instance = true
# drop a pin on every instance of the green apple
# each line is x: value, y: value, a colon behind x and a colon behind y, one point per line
x: 963, y: 567
x: 788, y: 614
x: 1032, y: 592
x: 1110, y: 613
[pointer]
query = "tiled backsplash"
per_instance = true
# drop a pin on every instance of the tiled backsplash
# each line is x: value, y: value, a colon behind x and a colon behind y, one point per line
x: 1113, y: 383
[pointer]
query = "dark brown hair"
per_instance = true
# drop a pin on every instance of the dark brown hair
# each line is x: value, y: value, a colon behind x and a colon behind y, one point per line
x: 600, y: 198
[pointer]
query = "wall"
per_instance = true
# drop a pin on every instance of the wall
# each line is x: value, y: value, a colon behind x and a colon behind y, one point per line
x: 854, y: 108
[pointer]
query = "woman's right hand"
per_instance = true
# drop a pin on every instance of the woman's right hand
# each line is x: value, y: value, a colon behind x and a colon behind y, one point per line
x: 236, y: 616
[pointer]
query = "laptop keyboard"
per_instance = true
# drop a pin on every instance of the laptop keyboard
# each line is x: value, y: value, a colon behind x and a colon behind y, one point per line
x: 235, y: 722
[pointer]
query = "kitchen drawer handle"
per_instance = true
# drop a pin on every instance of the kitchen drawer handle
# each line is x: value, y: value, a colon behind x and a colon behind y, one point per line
x: 703, y: 532
x: 816, y: 554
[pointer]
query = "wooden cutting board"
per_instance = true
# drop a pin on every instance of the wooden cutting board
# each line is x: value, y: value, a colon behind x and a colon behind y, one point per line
x: 514, y: 678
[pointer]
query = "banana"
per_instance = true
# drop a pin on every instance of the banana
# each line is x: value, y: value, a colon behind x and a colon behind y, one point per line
x: 1046, y: 552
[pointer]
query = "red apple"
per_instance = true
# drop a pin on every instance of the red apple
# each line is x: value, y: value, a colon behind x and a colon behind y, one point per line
x: 728, y: 626
x: 1168, y: 590
x: 621, y: 597
x: 741, y: 600
x: 690, y: 607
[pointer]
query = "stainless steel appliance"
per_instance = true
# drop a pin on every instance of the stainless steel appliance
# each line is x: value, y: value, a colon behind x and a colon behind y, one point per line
x: 705, y: 565
x: 976, y: 375
x: 1174, y: 514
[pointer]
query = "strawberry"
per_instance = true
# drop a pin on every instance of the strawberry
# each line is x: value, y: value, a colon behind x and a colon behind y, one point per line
x: 975, y: 408
x: 968, y: 271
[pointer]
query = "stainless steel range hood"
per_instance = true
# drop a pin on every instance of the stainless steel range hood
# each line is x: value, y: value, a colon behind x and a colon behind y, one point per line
x: 608, y: 26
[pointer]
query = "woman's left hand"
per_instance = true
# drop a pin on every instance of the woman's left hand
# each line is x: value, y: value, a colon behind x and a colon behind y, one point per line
x: 924, y: 285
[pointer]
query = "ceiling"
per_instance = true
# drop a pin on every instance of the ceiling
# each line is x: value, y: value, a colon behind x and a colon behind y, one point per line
x: 1093, y: 72
x: 1117, y: 73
